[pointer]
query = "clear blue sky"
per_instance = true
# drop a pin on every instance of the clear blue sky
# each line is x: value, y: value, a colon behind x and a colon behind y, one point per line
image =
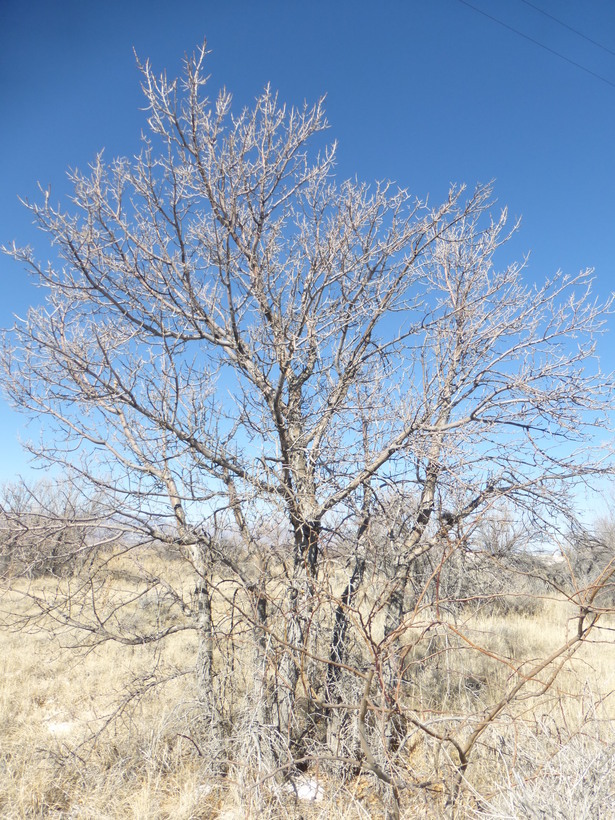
x: 424, y: 92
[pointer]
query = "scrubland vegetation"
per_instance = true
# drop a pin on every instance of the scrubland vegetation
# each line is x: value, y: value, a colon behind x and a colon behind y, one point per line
x: 312, y: 525
x: 94, y: 728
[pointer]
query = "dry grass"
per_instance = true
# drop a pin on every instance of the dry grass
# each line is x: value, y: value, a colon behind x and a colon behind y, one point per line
x: 59, y: 756
x: 56, y: 762
x: 73, y: 743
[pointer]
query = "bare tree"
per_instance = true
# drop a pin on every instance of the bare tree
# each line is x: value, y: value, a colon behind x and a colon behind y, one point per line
x: 274, y: 374
x: 46, y: 528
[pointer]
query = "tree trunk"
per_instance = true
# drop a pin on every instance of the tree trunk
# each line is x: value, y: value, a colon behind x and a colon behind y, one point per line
x: 338, y: 655
x: 211, y: 721
x: 300, y: 604
x: 259, y: 715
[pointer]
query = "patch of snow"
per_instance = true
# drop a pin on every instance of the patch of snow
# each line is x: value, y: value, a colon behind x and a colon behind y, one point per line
x: 61, y: 728
x: 305, y: 788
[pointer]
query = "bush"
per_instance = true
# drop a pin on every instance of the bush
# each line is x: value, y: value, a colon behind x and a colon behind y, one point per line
x: 45, y: 529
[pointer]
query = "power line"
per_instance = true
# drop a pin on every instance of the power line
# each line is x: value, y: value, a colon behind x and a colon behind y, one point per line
x: 570, y: 28
x: 538, y: 43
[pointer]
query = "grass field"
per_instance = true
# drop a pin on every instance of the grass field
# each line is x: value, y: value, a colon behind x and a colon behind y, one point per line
x: 106, y: 733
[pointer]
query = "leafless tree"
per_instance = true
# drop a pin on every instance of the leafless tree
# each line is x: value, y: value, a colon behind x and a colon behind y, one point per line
x: 277, y: 376
x: 46, y: 527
